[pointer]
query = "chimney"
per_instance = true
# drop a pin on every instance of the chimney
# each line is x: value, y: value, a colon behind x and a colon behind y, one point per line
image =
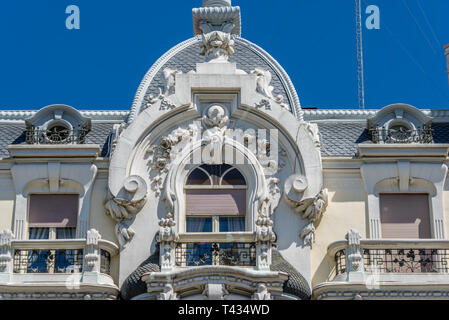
x: 447, y: 57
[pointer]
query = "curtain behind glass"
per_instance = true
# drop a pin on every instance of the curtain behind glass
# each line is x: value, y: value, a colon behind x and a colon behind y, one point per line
x: 39, y: 233
x: 37, y: 259
x: 232, y: 224
x: 199, y: 224
x: 65, y: 233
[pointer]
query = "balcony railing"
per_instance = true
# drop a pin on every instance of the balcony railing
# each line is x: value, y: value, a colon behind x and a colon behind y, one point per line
x: 56, y: 135
x: 61, y: 256
x: 395, y: 257
x: 382, y: 135
x: 222, y: 254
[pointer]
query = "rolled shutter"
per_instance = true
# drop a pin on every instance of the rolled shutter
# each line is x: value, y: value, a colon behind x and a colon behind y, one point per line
x: 405, y: 216
x: 216, y: 202
x: 53, y: 210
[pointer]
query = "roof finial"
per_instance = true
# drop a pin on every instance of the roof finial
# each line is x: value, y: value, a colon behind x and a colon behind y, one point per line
x: 218, y: 14
x: 216, y: 3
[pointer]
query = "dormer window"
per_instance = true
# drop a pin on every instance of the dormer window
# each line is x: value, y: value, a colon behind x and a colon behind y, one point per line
x: 400, y: 124
x: 57, y: 124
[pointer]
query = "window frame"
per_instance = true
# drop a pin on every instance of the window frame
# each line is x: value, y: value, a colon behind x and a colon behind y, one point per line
x: 52, y: 230
x: 216, y: 218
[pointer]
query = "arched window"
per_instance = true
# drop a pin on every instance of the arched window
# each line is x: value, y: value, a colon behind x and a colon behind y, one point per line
x: 216, y: 199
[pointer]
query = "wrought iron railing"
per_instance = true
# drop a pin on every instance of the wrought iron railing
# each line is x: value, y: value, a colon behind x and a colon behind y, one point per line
x: 56, y: 135
x: 105, y: 262
x: 48, y: 261
x: 222, y: 254
x: 382, y: 135
x: 56, y: 261
x: 340, y: 262
x: 399, y: 260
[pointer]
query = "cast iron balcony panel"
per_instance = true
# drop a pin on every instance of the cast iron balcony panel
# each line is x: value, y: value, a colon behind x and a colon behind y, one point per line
x: 402, y: 135
x: 220, y: 254
x: 397, y: 260
x: 56, y: 135
x: 48, y: 261
x: 35, y: 259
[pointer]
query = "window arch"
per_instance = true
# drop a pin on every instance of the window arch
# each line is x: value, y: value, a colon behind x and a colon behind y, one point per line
x: 216, y: 200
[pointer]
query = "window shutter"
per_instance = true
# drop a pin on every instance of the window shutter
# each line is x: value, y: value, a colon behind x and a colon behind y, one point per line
x: 405, y: 216
x: 216, y: 202
x: 53, y: 211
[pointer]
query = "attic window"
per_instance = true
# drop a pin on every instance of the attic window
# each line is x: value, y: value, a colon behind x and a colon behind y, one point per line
x: 58, y: 133
x: 57, y: 124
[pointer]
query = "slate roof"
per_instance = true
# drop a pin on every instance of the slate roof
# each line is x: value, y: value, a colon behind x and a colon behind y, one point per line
x: 340, y: 138
x: 14, y: 133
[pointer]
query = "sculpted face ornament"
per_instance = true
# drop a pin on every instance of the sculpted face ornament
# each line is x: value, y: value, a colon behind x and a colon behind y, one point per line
x: 217, y: 45
x: 216, y: 116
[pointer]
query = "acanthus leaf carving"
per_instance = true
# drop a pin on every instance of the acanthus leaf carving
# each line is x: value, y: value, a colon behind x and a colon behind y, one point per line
x: 124, y: 208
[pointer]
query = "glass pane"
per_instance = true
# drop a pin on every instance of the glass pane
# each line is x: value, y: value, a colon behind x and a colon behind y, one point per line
x: 233, y: 178
x: 39, y: 233
x: 216, y: 171
x: 65, y: 233
x: 234, y: 224
x: 199, y: 224
x: 198, y: 178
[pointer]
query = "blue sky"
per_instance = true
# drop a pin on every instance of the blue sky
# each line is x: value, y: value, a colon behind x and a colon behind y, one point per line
x: 101, y: 65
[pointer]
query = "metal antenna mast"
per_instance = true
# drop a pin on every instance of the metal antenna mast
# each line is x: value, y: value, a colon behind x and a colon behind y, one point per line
x: 360, y: 76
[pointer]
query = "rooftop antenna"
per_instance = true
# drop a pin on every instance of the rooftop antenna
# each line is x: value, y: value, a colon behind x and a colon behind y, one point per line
x: 359, y: 35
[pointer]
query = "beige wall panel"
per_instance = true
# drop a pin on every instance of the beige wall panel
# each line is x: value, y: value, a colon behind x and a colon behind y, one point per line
x: 346, y: 210
x: 98, y: 218
x: 7, y: 197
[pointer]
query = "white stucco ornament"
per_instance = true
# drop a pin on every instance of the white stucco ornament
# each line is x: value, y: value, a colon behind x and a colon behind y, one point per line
x: 265, y: 88
x: 123, y: 208
x: 217, y: 46
x: 311, y: 208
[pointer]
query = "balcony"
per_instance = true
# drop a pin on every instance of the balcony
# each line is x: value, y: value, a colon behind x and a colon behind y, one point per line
x: 56, y: 135
x: 217, y: 254
x: 57, y: 269
x: 381, y: 269
x: 402, y: 135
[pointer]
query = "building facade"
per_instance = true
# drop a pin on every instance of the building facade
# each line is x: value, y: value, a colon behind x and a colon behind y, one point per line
x: 218, y: 185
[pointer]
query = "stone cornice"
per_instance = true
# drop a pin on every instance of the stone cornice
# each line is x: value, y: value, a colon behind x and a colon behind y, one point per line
x: 403, y: 150
x: 95, y: 115
x: 354, y: 114
x: 54, y: 151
